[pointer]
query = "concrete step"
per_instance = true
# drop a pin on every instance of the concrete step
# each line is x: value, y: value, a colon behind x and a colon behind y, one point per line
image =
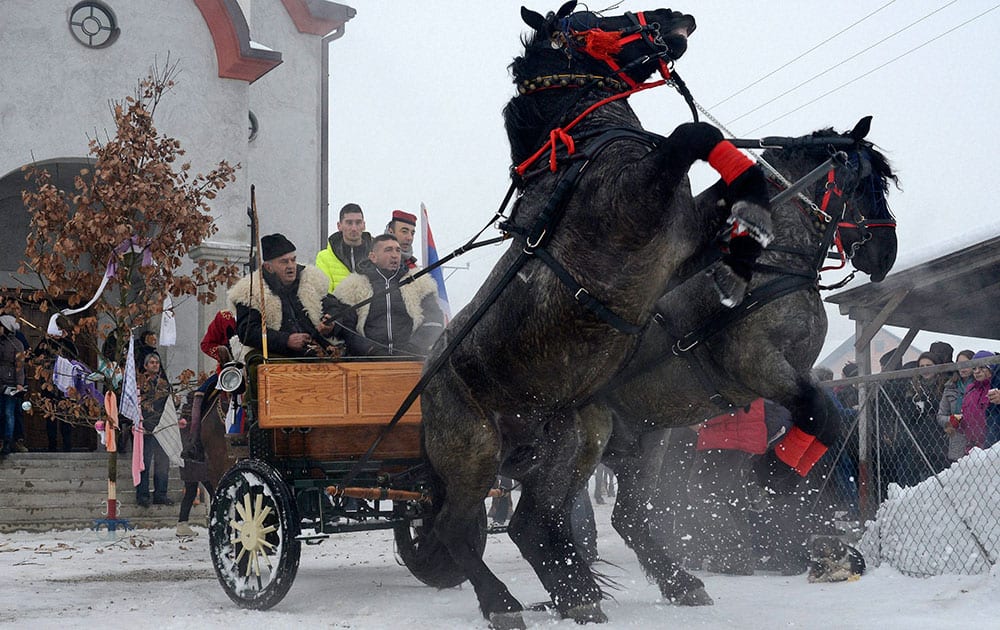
x: 45, y: 491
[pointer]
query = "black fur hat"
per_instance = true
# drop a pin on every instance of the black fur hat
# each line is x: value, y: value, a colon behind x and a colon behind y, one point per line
x: 274, y: 245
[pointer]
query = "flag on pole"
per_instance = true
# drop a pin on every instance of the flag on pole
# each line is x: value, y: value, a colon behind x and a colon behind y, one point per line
x: 428, y: 253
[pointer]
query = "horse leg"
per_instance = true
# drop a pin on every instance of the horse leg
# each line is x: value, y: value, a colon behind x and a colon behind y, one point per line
x: 816, y: 426
x: 463, y: 446
x: 542, y: 526
x: 639, y: 475
x: 213, y: 441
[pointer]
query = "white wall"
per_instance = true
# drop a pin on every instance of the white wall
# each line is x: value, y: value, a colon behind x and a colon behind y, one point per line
x: 285, y: 156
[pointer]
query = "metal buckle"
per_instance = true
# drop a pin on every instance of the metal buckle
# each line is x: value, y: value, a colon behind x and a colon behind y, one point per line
x: 576, y: 296
x: 538, y: 241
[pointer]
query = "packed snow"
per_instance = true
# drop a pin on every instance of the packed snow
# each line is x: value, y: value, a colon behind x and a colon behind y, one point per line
x: 84, y: 579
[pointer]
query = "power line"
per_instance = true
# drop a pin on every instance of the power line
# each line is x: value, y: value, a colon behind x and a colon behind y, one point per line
x: 785, y: 65
x: 893, y: 60
x: 840, y: 63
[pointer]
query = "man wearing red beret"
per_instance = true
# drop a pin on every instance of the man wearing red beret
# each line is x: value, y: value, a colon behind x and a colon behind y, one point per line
x: 403, y: 226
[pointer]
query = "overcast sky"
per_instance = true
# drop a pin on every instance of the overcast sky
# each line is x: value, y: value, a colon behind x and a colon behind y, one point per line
x: 417, y: 91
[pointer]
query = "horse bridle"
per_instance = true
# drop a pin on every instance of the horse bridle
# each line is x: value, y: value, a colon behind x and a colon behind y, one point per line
x: 864, y: 224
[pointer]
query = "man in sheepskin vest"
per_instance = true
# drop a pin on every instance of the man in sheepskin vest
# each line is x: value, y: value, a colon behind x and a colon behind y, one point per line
x: 293, y: 301
x: 402, y: 320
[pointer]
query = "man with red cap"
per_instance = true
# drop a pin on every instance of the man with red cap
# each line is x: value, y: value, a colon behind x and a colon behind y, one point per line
x: 404, y: 226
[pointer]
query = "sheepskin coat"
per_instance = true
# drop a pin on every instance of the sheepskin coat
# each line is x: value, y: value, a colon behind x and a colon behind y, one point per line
x: 307, y: 299
x: 395, y: 321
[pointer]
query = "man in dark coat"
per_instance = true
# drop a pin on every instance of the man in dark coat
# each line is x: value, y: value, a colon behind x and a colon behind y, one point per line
x: 402, y: 320
x: 293, y: 303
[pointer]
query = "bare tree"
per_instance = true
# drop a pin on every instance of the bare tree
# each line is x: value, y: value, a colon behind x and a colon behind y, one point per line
x: 135, y: 214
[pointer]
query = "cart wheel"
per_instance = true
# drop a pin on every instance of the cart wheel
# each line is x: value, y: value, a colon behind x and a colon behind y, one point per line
x: 252, y: 535
x: 424, y: 555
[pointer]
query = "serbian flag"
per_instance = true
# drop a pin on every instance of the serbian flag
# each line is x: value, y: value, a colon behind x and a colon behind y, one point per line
x: 430, y: 257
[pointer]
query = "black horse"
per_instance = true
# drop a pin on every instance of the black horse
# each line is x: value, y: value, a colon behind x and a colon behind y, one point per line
x: 703, y: 358
x: 599, y: 229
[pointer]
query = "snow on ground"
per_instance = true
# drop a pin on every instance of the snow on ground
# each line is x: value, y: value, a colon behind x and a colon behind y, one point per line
x: 79, y: 579
x: 937, y: 526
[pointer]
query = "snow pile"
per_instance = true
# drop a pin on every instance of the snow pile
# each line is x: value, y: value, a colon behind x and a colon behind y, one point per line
x: 947, y: 524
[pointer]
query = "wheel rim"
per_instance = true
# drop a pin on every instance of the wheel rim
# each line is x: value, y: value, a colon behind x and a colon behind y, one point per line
x: 252, y: 535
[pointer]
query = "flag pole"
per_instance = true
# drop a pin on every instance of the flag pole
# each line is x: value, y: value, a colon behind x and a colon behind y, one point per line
x: 260, y: 268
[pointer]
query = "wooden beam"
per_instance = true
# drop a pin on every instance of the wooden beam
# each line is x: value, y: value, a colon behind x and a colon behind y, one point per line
x: 876, y: 324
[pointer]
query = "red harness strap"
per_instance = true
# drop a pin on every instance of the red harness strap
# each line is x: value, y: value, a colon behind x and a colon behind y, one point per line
x: 664, y: 68
x: 833, y: 189
x: 561, y: 134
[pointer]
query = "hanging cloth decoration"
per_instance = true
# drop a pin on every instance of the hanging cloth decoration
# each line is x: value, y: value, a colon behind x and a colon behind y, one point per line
x: 168, y: 325
x: 132, y: 244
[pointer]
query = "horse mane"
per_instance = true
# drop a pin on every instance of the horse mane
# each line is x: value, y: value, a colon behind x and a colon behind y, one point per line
x: 528, y: 120
x: 882, y: 172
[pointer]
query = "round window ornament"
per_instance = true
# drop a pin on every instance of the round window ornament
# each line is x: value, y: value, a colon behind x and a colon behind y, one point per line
x: 93, y: 24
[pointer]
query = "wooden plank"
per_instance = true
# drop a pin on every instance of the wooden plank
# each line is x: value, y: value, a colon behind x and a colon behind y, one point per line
x: 347, y: 393
x: 348, y: 442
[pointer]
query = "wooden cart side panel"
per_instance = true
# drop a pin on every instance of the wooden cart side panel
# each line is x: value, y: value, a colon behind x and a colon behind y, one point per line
x: 335, y: 394
x: 347, y: 442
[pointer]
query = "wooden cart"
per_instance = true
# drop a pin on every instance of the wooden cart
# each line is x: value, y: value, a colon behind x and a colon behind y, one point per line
x: 314, y: 421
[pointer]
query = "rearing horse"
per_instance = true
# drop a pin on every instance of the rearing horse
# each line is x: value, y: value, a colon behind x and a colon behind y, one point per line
x: 702, y: 356
x: 599, y: 228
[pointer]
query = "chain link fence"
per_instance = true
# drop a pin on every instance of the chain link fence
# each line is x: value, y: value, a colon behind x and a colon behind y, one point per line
x: 900, y: 478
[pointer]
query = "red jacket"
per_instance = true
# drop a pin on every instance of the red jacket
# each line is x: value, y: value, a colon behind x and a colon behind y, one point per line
x: 740, y: 430
x: 223, y: 327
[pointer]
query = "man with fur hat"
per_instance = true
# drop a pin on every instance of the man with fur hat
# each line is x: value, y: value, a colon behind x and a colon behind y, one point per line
x: 404, y: 227
x: 347, y: 247
x: 405, y: 319
x: 293, y: 301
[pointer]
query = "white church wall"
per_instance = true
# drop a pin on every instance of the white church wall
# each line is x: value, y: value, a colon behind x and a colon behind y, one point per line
x: 54, y: 93
x: 285, y: 156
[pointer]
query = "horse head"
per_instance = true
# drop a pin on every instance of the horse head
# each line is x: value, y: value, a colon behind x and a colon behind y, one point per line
x: 626, y: 47
x: 868, y: 227
x: 594, y: 54
x: 865, y: 228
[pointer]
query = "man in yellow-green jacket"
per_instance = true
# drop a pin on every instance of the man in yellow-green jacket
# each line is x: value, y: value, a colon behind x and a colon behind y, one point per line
x: 346, y: 247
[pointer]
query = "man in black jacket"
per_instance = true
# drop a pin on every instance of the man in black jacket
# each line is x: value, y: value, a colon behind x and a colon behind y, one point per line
x: 293, y: 303
x: 400, y: 320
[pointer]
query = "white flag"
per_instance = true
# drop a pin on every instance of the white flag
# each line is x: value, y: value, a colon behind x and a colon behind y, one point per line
x: 168, y: 325
x: 129, y: 406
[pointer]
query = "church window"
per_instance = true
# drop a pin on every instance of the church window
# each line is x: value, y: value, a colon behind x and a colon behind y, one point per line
x: 93, y: 24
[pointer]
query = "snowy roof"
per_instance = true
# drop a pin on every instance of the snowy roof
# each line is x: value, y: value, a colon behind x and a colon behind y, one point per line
x: 951, y: 288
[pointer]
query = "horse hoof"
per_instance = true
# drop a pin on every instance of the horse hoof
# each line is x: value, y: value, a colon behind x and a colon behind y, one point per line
x: 585, y: 613
x: 507, y: 621
x: 696, y: 597
x: 754, y: 219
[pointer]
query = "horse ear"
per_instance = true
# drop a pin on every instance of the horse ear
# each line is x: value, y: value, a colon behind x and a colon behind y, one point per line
x: 861, y: 129
x: 566, y: 9
x: 532, y: 19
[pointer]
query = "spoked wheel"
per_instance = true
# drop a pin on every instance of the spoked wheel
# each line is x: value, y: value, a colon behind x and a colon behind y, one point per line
x: 252, y: 535
x: 423, y: 554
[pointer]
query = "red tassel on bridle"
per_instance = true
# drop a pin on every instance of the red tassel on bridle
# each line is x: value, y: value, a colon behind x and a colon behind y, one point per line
x: 601, y: 45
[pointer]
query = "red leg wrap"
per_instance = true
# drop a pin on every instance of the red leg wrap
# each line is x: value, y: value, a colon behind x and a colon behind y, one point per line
x: 729, y: 161
x: 794, y: 446
x: 812, y: 455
